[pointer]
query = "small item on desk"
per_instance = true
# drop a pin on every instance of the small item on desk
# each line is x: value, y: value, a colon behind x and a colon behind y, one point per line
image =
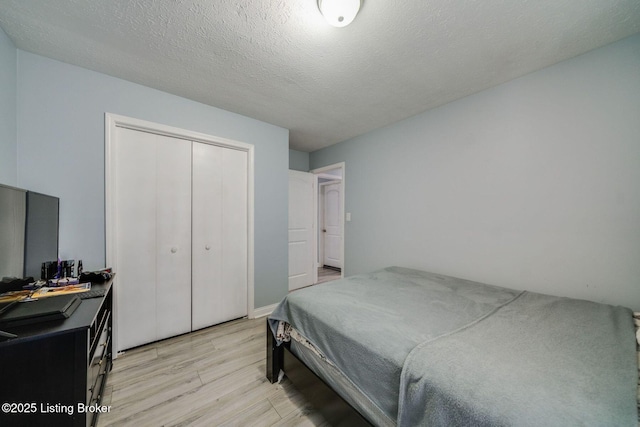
x: 14, y: 295
x: 93, y: 293
x: 64, y: 281
x: 31, y: 286
x: 48, y: 270
x: 35, y: 285
x: 46, y: 292
x: 14, y: 283
x: 100, y: 276
x: 57, y: 270
x: 67, y: 267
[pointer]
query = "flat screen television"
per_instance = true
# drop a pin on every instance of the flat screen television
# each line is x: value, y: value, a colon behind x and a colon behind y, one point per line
x: 29, y: 224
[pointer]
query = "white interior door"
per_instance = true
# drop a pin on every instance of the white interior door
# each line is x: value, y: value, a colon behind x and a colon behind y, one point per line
x: 220, y: 254
x: 301, y: 229
x: 332, y: 225
x: 152, y: 236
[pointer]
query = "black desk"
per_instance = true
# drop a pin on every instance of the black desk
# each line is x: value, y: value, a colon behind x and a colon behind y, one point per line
x: 54, y: 372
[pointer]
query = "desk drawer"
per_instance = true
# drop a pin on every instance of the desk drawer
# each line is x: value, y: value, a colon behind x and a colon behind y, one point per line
x: 98, y: 373
x: 98, y: 388
x: 98, y: 362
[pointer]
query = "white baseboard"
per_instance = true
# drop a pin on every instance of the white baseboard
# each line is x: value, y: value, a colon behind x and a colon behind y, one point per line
x: 264, y: 311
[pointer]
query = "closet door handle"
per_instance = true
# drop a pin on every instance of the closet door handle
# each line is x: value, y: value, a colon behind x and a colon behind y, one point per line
x: 207, y: 247
x: 174, y: 250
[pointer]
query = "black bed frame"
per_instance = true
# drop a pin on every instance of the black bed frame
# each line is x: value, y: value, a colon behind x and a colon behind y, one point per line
x: 323, y: 398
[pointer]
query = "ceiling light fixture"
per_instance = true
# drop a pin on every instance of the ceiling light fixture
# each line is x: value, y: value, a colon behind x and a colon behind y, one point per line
x: 339, y: 13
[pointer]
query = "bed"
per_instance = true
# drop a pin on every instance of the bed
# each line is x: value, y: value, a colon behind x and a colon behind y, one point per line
x: 407, y: 347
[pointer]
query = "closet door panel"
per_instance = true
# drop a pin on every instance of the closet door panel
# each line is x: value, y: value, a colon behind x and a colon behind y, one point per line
x: 135, y: 199
x: 234, y: 233
x: 207, y: 292
x: 173, y: 231
x: 219, y: 268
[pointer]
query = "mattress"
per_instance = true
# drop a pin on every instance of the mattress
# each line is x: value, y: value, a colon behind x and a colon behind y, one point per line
x: 414, y: 344
x: 341, y: 384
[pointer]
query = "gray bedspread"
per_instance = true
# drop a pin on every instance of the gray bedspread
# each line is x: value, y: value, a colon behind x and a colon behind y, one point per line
x: 434, y: 350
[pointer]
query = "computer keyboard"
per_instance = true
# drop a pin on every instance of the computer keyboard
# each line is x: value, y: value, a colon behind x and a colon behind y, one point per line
x: 92, y: 293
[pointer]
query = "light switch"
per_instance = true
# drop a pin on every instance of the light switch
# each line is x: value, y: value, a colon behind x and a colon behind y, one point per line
x: 348, y: 216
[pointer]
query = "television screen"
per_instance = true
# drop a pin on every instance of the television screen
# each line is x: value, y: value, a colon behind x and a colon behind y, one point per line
x: 28, y: 231
x: 13, y: 211
x: 41, y: 238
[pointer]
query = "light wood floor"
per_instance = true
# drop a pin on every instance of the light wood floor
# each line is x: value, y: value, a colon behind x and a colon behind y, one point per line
x: 327, y: 274
x: 212, y: 377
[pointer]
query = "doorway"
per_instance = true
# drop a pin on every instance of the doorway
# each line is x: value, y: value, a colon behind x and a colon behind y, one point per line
x: 330, y: 220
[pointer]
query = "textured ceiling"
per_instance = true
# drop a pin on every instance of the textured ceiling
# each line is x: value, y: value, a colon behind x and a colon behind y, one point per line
x: 278, y: 61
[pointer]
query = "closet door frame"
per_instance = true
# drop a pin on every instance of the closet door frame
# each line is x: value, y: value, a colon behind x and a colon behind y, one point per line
x: 113, y: 121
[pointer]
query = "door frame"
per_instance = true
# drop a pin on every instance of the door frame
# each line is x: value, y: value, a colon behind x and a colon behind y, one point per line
x: 113, y: 121
x: 318, y: 172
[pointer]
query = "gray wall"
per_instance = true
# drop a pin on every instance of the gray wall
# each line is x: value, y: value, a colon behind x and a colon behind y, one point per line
x: 8, y: 130
x: 60, y: 121
x: 298, y: 161
x: 534, y: 184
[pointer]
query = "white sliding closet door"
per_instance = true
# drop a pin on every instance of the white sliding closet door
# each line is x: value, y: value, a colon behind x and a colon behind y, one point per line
x: 234, y: 233
x: 179, y: 222
x: 173, y: 256
x: 219, y: 214
x: 153, y: 236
